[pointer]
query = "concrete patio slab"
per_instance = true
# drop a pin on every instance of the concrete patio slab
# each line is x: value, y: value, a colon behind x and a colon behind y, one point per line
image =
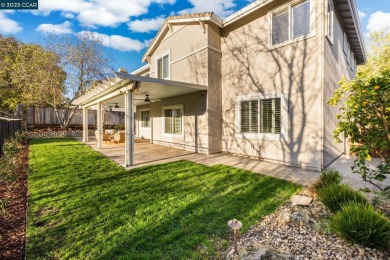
x: 146, y: 154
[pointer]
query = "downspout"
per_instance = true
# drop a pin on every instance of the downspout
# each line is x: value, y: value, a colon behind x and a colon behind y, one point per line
x: 322, y: 73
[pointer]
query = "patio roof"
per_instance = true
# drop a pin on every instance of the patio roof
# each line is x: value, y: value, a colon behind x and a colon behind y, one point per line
x: 113, y: 88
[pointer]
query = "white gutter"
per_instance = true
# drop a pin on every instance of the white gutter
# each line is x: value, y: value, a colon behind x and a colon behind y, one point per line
x: 141, y: 69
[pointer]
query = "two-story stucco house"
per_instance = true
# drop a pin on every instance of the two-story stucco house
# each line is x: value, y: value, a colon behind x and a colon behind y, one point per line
x: 254, y: 84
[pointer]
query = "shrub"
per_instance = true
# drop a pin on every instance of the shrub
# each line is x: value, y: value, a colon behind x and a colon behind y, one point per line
x: 327, y: 178
x: 335, y: 196
x: 21, y: 137
x: 363, y: 225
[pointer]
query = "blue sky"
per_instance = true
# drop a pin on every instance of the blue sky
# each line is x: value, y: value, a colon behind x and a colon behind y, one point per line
x: 126, y: 26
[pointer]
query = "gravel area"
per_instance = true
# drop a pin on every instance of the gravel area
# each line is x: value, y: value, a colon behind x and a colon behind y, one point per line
x: 298, y: 232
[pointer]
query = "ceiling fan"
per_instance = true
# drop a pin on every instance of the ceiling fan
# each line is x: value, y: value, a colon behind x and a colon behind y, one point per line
x: 111, y: 106
x: 147, y: 99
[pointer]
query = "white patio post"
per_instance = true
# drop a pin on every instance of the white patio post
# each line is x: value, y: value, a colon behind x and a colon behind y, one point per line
x: 85, y: 124
x: 129, y: 129
x: 151, y: 126
x: 99, y: 125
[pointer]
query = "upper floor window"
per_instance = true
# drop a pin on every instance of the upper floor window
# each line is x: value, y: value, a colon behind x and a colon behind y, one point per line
x: 290, y: 22
x: 329, y: 21
x: 261, y: 116
x: 163, y: 67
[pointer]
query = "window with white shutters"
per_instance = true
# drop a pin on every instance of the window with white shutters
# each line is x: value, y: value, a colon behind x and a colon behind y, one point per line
x: 250, y: 116
x: 291, y: 22
x: 261, y: 116
x: 270, y: 116
x: 173, y: 121
x: 163, y: 67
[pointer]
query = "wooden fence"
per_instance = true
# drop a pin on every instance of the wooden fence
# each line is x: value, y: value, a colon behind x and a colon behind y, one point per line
x: 8, y: 128
x: 47, y: 117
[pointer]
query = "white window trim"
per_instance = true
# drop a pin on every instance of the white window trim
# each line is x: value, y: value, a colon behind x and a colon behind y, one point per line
x: 140, y: 115
x: 167, y: 52
x: 263, y: 136
x: 330, y: 34
x: 180, y: 106
x: 292, y: 40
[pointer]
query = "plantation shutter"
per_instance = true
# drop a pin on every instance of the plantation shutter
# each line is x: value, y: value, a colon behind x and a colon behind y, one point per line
x: 165, y: 67
x: 249, y: 116
x: 301, y: 19
x: 280, y: 30
x: 270, y: 116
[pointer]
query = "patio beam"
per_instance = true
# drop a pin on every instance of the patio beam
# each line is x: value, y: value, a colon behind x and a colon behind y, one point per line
x: 129, y: 128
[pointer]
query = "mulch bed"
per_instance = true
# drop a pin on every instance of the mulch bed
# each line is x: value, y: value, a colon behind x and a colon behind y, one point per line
x: 13, y: 224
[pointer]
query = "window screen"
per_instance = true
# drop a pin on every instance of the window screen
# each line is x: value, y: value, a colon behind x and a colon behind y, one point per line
x: 163, y: 67
x: 301, y: 19
x: 280, y: 30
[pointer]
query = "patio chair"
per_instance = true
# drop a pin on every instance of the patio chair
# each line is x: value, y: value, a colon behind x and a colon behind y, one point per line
x: 106, y: 137
x: 119, y: 137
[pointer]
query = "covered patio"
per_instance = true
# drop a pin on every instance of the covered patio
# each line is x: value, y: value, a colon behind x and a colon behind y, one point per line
x: 124, y: 93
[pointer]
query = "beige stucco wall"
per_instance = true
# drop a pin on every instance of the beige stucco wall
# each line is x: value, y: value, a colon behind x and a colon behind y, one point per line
x: 182, y: 41
x: 195, y: 130
x: 293, y: 71
x: 335, y: 68
x: 195, y: 57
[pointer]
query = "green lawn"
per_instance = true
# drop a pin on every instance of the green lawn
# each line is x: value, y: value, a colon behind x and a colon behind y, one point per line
x: 84, y: 206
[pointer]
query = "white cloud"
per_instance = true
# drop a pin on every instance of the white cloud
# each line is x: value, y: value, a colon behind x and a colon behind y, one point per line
x: 362, y: 14
x: 146, y: 25
x: 68, y: 15
x: 378, y: 21
x: 222, y: 8
x: 64, y: 28
x: 92, y: 13
x: 116, y: 41
x: 8, y: 26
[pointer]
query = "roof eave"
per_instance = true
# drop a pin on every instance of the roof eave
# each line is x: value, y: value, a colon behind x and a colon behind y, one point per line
x: 349, y: 14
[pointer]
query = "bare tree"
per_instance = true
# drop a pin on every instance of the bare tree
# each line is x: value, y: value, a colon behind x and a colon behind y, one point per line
x: 84, y: 60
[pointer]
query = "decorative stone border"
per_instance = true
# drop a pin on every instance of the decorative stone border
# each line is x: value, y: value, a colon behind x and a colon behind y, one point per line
x: 58, y: 134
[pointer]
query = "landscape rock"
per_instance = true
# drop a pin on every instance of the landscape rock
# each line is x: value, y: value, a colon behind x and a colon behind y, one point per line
x: 299, y: 200
x: 295, y: 232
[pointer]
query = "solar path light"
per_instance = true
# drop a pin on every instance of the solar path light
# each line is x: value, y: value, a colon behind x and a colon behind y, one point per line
x: 235, y: 225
